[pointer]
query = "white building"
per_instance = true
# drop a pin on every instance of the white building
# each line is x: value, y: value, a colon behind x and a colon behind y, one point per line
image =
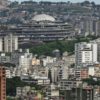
x: 25, y: 62
x: 4, y: 2
x: 8, y: 73
x: 69, y: 84
x: 85, y: 54
x: 10, y: 43
x: 98, y: 47
x: 4, y: 58
x: 22, y: 90
x: 69, y: 59
x: 43, y: 81
x: 48, y: 60
x: 52, y: 92
x: 91, y: 71
x: 63, y: 72
x: 54, y: 74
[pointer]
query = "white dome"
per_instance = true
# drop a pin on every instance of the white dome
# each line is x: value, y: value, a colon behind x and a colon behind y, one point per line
x: 43, y: 17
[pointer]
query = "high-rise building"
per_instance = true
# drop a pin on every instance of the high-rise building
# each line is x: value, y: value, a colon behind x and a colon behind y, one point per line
x: 1, y: 44
x: 97, y: 41
x: 90, y: 26
x: 10, y: 43
x: 2, y: 83
x: 63, y: 72
x: 81, y: 73
x: 85, y: 54
x: 97, y: 29
x: 25, y: 62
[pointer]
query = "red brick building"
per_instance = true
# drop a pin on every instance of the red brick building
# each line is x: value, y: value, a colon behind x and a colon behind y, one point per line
x: 2, y: 83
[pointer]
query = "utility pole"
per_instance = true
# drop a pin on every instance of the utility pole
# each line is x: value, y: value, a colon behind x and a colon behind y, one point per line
x: 81, y: 87
x: 76, y: 93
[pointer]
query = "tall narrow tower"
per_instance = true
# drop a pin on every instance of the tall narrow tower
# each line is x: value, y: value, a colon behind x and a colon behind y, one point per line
x: 10, y: 43
x: 2, y: 83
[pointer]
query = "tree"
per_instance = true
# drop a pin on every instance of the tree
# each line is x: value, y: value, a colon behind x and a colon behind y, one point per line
x: 12, y: 84
x: 93, y: 4
x: 14, y: 4
x: 85, y: 3
x: 92, y: 81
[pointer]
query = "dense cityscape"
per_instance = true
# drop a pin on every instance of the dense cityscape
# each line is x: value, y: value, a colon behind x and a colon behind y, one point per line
x: 49, y: 50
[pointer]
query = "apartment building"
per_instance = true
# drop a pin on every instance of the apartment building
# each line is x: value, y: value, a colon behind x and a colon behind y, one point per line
x: 2, y: 83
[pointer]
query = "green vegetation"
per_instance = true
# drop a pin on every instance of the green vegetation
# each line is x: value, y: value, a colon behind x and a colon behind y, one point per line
x: 65, y: 45
x: 17, y: 82
x: 8, y: 65
x: 46, y: 49
x: 92, y: 82
x: 12, y: 84
x: 77, y: 10
x: 9, y: 98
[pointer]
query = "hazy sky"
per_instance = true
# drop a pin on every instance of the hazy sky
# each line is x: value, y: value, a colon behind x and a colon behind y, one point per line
x: 96, y: 1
